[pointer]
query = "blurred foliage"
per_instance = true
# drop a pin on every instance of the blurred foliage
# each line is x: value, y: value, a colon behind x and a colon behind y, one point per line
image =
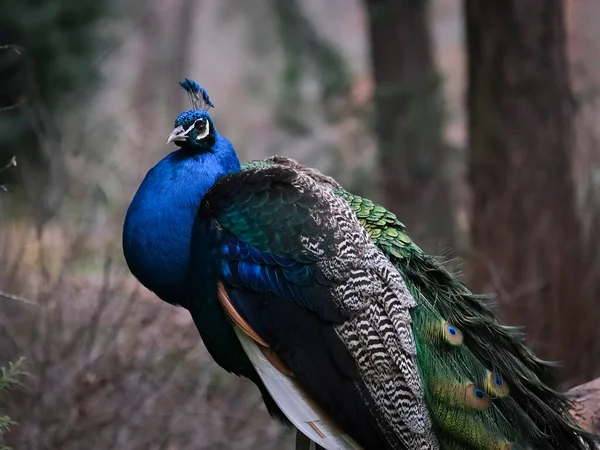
x: 61, y: 44
x: 108, y: 360
x: 4, y: 169
x: 15, y: 73
x: 8, y: 377
x: 307, y: 58
x: 306, y: 52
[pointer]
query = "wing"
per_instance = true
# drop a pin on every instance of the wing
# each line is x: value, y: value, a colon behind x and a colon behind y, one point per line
x: 461, y: 344
x: 302, y: 272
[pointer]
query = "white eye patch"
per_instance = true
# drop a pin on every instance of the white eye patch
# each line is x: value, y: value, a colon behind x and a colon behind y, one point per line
x: 205, y: 132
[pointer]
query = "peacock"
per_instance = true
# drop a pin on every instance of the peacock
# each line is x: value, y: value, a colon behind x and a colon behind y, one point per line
x: 350, y: 331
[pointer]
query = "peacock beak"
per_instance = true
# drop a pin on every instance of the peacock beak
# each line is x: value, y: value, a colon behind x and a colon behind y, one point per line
x: 178, y: 134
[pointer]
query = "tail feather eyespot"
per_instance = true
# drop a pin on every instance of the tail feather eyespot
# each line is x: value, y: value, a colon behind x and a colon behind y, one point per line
x: 460, y: 395
x: 496, y: 386
x: 476, y: 398
x: 451, y: 334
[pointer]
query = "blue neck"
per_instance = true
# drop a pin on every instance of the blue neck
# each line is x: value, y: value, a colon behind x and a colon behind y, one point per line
x: 158, y: 225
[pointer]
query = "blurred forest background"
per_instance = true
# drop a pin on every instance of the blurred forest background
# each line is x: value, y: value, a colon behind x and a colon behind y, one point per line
x: 477, y: 123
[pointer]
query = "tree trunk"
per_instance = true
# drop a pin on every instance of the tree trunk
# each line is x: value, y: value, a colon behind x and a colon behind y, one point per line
x: 526, y: 238
x: 409, y: 116
x: 182, y: 48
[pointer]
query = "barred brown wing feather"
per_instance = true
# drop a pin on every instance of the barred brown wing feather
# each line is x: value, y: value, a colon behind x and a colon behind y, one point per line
x: 372, y: 302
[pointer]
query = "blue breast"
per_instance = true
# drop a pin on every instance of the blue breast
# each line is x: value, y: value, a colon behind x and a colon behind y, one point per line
x: 158, y: 225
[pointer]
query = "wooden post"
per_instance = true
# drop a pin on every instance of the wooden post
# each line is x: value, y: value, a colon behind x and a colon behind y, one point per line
x: 304, y: 443
x: 586, y: 409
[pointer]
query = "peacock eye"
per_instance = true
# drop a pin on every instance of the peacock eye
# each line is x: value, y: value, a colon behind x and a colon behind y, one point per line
x: 200, y: 125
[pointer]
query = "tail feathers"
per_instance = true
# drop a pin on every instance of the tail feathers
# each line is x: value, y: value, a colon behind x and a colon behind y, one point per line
x: 485, y: 389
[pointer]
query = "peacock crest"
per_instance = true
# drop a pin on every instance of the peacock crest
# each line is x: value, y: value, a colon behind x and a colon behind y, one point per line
x: 198, y: 96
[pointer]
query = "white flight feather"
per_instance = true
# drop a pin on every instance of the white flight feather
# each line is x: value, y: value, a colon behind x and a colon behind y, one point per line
x: 304, y: 413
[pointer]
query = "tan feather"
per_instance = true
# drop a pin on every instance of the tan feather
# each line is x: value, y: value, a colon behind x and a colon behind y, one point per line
x: 241, y: 323
x: 236, y: 318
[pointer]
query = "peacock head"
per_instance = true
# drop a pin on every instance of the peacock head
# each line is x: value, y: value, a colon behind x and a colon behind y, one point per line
x: 194, y: 129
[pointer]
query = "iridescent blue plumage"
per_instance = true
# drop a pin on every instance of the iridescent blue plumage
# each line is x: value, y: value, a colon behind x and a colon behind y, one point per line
x: 162, y: 226
x: 245, y: 267
x: 158, y: 226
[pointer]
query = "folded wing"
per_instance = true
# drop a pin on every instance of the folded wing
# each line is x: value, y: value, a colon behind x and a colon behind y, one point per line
x: 298, y: 267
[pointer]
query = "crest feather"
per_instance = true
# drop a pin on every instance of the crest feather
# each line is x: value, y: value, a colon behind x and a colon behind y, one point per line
x: 198, y: 96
